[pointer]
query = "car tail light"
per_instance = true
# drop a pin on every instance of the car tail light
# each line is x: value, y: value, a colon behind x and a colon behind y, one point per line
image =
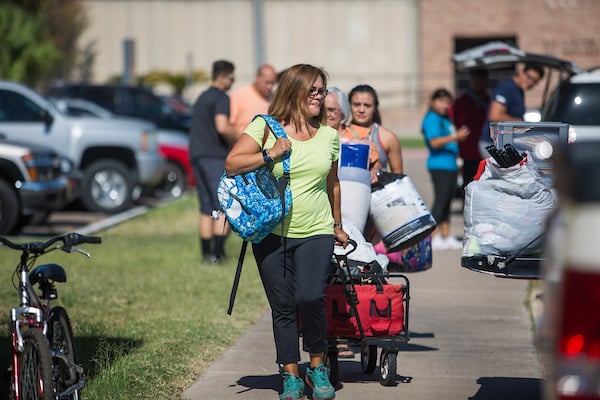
x: 580, y: 330
x: 578, y: 353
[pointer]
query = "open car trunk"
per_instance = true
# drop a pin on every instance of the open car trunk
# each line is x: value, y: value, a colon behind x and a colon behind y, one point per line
x: 500, y: 55
x: 497, y: 55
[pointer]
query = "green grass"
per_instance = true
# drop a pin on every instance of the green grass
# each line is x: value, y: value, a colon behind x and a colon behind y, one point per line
x: 147, y: 315
x: 412, y: 143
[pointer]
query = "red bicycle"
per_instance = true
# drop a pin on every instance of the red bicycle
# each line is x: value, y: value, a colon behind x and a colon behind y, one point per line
x: 44, y: 365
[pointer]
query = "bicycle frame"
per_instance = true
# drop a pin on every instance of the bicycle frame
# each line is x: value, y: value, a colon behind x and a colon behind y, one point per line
x: 27, y: 314
x: 34, y: 313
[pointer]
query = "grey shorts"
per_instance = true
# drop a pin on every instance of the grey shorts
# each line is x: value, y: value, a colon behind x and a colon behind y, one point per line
x: 207, y: 172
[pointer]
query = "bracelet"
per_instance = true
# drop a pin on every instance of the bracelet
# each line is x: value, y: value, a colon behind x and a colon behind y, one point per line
x: 337, y: 225
x: 266, y: 156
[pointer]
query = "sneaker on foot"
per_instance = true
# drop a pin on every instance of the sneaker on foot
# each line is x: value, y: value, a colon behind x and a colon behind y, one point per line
x: 438, y: 243
x: 293, y: 387
x: 212, y: 259
x: 318, y: 380
x: 453, y: 243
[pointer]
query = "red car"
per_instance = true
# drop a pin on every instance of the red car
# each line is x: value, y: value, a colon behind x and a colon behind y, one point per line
x: 174, y: 147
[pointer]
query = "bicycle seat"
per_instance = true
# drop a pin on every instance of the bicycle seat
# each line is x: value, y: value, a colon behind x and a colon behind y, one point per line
x: 47, y: 272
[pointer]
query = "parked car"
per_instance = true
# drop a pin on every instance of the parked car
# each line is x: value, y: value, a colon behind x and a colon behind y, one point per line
x: 34, y: 181
x: 569, y: 330
x: 577, y: 101
x: 569, y: 334
x: 173, y: 145
x: 498, y: 55
x: 117, y: 158
x: 131, y: 101
x: 178, y: 104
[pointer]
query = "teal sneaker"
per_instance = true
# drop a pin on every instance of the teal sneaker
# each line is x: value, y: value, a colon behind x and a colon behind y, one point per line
x: 293, y: 387
x: 318, y: 380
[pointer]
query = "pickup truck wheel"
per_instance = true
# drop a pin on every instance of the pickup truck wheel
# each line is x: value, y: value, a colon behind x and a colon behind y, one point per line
x: 107, y: 186
x: 9, y: 209
x: 173, y: 184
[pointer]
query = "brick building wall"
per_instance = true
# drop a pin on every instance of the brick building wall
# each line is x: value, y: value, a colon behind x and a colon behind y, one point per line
x: 561, y: 28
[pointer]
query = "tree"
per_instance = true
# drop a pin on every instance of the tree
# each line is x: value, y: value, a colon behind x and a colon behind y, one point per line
x: 24, y: 53
x: 177, y: 80
x: 43, y: 37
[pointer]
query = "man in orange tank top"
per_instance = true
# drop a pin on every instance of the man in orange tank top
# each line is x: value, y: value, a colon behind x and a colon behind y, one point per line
x: 252, y: 99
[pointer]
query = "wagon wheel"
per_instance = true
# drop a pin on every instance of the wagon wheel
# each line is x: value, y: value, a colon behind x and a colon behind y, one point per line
x: 368, y: 357
x: 333, y: 366
x: 387, y: 367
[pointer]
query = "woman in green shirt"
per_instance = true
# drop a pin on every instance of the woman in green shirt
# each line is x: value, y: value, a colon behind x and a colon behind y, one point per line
x: 294, y: 268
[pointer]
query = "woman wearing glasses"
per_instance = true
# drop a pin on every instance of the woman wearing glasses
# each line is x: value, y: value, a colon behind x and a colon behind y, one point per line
x: 294, y: 268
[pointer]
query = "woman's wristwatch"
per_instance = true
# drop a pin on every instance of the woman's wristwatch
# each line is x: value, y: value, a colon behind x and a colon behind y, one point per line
x: 337, y: 224
x: 266, y: 156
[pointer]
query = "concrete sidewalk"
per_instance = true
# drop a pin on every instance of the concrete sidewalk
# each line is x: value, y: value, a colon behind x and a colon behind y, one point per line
x: 470, y: 338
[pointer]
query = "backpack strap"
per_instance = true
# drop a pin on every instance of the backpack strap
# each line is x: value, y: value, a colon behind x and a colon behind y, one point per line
x: 376, y: 137
x: 282, y: 182
x: 236, y: 279
x: 354, y: 133
x: 277, y: 130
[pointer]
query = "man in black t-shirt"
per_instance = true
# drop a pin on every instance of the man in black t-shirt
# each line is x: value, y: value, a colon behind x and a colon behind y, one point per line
x: 211, y: 136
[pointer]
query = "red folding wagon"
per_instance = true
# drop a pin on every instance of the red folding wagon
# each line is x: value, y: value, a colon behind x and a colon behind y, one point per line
x: 366, y: 310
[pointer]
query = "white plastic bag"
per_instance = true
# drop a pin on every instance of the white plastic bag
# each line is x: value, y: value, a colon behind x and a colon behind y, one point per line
x: 506, y: 209
x: 364, y: 253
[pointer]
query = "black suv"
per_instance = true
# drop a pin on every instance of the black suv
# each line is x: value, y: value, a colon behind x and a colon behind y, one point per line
x: 577, y: 101
x: 133, y: 101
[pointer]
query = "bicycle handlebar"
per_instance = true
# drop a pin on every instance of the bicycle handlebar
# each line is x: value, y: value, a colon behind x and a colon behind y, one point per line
x: 68, y: 239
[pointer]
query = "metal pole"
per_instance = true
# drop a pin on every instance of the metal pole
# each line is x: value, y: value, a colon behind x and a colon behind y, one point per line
x: 128, y: 77
x: 259, y: 38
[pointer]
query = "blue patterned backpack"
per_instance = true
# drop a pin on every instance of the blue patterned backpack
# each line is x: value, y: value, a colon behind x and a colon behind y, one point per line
x: 255, y: 202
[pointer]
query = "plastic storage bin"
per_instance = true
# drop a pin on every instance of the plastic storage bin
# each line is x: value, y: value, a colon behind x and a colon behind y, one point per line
x: 540, y: 139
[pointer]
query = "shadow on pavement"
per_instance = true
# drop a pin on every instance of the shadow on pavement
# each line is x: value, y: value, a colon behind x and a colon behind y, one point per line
x: 501, y: 388
x: 260, y: 382
x: 421, y: 335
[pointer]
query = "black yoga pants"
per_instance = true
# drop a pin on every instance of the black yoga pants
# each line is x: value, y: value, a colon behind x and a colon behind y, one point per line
x: 444, y: 188
x: 296, y: 284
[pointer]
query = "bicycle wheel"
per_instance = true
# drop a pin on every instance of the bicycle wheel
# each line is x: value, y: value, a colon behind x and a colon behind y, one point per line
x: 35, y: 367
x: 60, y: 337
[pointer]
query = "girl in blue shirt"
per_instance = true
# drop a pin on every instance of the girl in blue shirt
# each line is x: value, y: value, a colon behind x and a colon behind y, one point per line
x: 441, y: 138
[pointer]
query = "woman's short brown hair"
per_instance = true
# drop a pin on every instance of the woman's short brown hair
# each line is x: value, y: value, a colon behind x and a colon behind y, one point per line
x: 289, y: 103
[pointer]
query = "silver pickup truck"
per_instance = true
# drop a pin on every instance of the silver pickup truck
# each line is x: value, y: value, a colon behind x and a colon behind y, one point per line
x: 34, y: 181
x: 117, y: 158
